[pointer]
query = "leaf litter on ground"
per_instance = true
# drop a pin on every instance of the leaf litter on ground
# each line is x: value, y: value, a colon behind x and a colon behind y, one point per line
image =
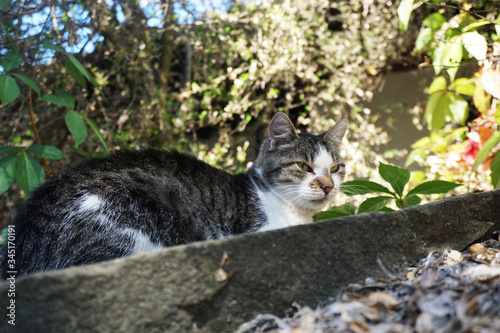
x: 449, y: 291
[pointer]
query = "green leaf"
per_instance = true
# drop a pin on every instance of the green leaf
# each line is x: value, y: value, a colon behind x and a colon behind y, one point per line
x: 487, y: 147
x: 29, y: 173
x: 374, y: 204
x: 7, y: 169
x: 76, y: 126
x: 436, y: 110
x: 424, y: 39
x: 475, y: 44
x: 55, y: 100
x: 464, y: 86
x: 11, y: 60
x: 397, y: 177
x: 48, y: 152
x: 48, y: 45
x: 9, y: 90
x: 6, y: 149
x: 29, y: 82
x: 434, y: 21
x: 68, y: 99
x: 477, y: 24
x: 97, y: 132
x: 80, y: 68
x: 433, y: 187
x: 404, y: 12
x: 359, y: 187
x: 411, y: 200
x: 439, y: 84
x: 336, y: 212
x: 459, y: 108
x: 75, y: 73
x: 451, y: 57
x: 495, y: 171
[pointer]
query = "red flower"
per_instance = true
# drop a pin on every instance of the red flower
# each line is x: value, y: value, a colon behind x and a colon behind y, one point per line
x: 472, y: 148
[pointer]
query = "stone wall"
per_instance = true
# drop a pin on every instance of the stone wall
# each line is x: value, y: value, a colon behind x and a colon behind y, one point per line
x: 217, y: 285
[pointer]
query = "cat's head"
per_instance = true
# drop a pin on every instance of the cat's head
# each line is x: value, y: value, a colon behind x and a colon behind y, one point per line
x: 304, y: 170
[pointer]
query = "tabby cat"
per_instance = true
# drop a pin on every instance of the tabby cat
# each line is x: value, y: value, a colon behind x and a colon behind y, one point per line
x: 130, y: 202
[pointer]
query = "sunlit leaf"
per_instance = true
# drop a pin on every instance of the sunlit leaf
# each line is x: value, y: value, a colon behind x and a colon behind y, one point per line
x: 9, y: 90
x: 475, y: 44
x: 397, y: 177
x: 451, y: 57
x: 424, y: 39
x: 359, y: 187
x: 28, y: 82
x: 475, y: 25
x: 404, y: 12
x: 459, y: 108
x: 434, y: 21
x: 439, y: 84
x: 76, y: 126
x: 487, y: 147
x: 490, y: 80
x: 29, y: 173
x: 434, y: 187
x: 436, y: 109
x: 481, y: 99
x: 464, y: 86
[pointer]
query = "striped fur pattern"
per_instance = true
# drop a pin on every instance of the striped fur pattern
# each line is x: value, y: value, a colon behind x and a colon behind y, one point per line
x: 143, y: 201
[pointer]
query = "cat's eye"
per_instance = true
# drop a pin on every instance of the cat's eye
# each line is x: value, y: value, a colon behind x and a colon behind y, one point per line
x: 304, y: 167
x: 335, y: 168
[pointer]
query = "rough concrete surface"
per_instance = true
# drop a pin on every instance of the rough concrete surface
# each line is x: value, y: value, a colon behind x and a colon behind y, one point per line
x: 196, y: 285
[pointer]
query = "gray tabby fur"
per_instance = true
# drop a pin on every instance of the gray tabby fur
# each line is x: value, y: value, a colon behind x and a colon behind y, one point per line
x: 130, y: 202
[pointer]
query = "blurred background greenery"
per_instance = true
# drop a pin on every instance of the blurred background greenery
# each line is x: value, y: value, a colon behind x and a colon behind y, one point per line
x: 81, y: 78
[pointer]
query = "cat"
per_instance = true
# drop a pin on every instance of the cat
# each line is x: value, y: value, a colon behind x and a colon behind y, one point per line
x: 138, y: 201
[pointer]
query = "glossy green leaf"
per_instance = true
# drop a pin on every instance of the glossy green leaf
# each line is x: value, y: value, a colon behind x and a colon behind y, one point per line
x: 11, y: 60
x: 336, y: 212
x: 76, y: 126
x: 359, y: 187
x: 459, y: 108
x: 28, y: 82
x: 7, y: 169
x: 48, y: 152
x: 491, y: 143
x: 495, y: 171
x: 439, y: 84
x: 29, y: 173
x: 404, y: 12
x: 434, y: 187
x: 397, y: 177
x: 9, y: 90
x: 97, y: 132
x: 374, y: 204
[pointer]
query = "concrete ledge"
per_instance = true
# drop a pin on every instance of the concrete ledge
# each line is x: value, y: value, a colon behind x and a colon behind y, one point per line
x: 177, y: 288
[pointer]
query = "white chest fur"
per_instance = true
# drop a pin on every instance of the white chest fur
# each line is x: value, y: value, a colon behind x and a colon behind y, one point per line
x: 279, y: 214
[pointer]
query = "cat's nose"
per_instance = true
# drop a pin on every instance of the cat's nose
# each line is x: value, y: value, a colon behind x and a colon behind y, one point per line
x: 327, y: 188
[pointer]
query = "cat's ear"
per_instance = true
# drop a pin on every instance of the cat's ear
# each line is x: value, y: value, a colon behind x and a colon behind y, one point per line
x: 281, y: 130
x: 337, y: 132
